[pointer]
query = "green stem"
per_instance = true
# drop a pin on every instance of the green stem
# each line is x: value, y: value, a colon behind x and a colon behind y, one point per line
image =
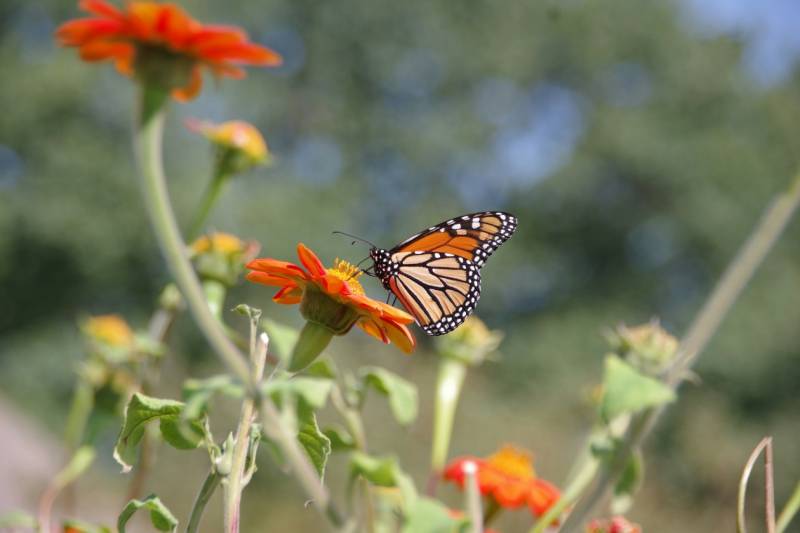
x: 473, y: 497
x: 206, y: 491
x: 580, y: 482
x: 148, y: 139
x: 215, y: 292
x: 79, y: 411
x: 705, y: 325
x: 234, y: 485
x: 448, y: 390
x: 210, y: 198
x: 789, y: 510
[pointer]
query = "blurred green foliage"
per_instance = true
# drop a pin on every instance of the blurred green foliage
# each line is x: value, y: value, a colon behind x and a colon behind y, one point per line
x: 636, y: 153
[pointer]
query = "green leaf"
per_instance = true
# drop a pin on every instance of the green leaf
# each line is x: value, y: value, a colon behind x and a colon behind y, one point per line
x: 429, y: 516
x: 628, y: 391
x: 384, y: 472
x: 402, y: 394
x: 198, y: 392
x: 143, y: 409
x: 315, y: 443
x: 628, y: 483
x: 281, y: 338
x: 17, y: 519
x: 340, y: 439
x: 314, y: 391
x: 161, y: 517
x: 321, y: 368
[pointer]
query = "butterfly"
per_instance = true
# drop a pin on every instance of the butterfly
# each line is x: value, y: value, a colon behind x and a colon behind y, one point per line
x: 436, y: 274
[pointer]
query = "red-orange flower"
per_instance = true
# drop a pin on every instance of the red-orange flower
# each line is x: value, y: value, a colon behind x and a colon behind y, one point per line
x: 507, y: 477
x: 332, y: 297
x: 162, y: 39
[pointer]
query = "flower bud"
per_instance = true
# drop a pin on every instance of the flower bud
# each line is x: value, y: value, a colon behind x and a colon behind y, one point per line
x: 471, y: 343
x: 648, y: 347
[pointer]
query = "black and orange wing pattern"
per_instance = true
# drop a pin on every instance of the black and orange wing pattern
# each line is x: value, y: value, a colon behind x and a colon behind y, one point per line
x: 436, y: 273
x: 474, y: 237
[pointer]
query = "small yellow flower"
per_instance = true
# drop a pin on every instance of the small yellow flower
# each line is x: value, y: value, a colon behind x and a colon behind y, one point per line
x: 111, y: 330
x: 222, y: 256
x: 218, y: 242
x: 237, y: 137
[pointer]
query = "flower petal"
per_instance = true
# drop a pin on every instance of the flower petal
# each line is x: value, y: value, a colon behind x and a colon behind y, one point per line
x: 100, y: 50
x: 277, y: 268
x: 310, y: 261
x: 400, y: 336
x: 269, y: 280
x: 188, y: 92
x: 372, y: 328
x: 242, y: 53
x: 290, y: 294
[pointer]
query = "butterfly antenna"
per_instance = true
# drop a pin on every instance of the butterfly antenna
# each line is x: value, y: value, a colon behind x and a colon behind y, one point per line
x: 357, y: 238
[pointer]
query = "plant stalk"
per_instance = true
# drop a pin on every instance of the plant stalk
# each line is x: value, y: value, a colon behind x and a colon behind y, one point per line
x: 210, y: 197
x: 730, y: 286
x: 448, y: 390
x: 206, y: 491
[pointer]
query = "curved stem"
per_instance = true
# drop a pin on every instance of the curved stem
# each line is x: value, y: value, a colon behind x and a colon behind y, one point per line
x: 209, y: 199
x: 206, y: 491
x: 148, y: 137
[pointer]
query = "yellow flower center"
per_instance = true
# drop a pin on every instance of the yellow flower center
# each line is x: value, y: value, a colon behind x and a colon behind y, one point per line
x: 513, y: 462
x: 348, y: 273
x: 223, y: 243
x: 110, y: 329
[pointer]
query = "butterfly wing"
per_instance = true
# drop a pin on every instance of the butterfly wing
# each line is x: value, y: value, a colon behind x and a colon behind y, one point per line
x: 440, y: 289
x: 474, y: 237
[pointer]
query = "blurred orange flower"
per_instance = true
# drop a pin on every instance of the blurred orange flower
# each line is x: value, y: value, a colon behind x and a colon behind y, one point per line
x: 162, y: 42
x: 111, y: 330
x: 507, y: 477
x: 236, y: 135
x: 332, y: 297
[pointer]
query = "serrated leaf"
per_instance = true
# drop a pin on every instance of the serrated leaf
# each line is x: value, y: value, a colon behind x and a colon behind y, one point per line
x: 314, y: 391
x: 140, y: 411
x: 315, y: 443
x: 340, y: 439
x: 402, y: 394
x: 161, y: 517
x: 627, y: 391
x: 282, y: 338
x: 384, y: 472
x: 198, y: 392
x: 429, y: 516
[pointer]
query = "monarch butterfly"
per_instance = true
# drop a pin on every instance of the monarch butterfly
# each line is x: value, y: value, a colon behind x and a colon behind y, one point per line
x: 436, y: 273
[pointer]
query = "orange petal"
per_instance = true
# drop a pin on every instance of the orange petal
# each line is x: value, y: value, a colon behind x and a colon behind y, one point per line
x: 277, y: 268
x: 267, y: 279
x: 393, y: 313
x: 101, y: 8
x: 184, y: 94
x: 80, y: 31
x: 310, y: 261
x: 100, y: 50
x: 373, y: 329
x: 400, y: 336
x: 242, y: 53
x: 291, y: 294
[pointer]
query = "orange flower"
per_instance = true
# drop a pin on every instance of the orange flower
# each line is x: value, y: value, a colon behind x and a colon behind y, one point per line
x: 508, y: 478
x: 111, y: 330
x: 162, y: 44
x: 332, y: 297
x: 235, y: 135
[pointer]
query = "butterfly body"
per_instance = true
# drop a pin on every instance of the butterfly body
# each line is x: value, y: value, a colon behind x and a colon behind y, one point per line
x: 436, y: 273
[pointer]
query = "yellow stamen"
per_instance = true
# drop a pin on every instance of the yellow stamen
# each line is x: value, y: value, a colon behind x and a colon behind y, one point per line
x: 348, y: 273
x: 513, y: 462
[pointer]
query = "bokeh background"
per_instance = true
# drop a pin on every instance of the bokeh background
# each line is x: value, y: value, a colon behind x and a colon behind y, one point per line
x: 637, y: 142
